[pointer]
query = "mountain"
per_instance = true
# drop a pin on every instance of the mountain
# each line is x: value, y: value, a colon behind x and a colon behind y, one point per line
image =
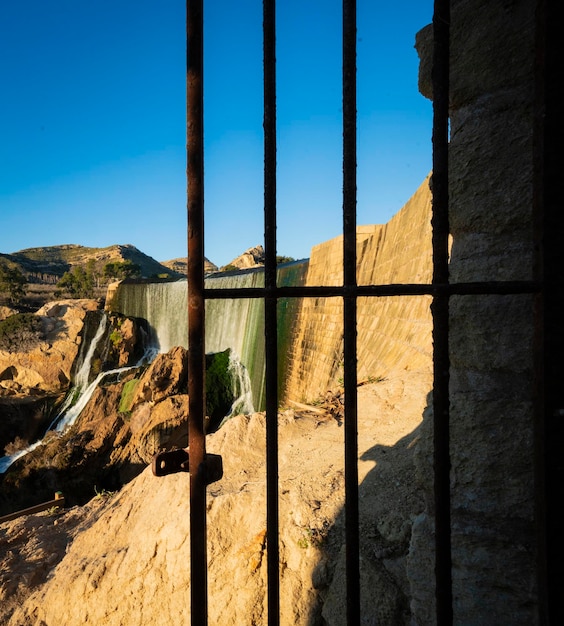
x: 253, y: 257
x: 181, y: 265
x: 48, y: 264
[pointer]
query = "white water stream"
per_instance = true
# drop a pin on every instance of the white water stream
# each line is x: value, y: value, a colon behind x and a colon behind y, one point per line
x: 233, y: 325
x: 76, y: 399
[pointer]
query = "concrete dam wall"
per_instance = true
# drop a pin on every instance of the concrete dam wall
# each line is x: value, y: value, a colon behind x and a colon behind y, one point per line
x: 394, y: 333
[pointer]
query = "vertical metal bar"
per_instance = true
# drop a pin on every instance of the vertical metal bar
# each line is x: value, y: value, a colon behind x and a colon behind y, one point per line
x: 271, y: 324
x: 541, y: 348
x: 552, y: 104
x: 349, y: 313
x: 196, y: 339
x: 440, y: 312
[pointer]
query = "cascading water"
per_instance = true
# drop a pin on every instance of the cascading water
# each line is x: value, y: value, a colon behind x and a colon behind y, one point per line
x: 78, y: 396
x: 242, y: 391
x: 6, y: 461
x: 235, y: 324
x: 83, y: 372
x: 238, y: 325
x: 163, y: 304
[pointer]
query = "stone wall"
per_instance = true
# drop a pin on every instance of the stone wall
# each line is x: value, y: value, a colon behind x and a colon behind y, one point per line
x: 394, y: 333
x: 494, y: 550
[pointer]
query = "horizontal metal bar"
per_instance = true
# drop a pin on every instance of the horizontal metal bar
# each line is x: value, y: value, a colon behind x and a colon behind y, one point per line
x: 477, y: 288
x: 58, y: 502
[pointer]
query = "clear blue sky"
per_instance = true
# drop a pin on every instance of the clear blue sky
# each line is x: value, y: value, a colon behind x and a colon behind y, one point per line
x: 92, y: 119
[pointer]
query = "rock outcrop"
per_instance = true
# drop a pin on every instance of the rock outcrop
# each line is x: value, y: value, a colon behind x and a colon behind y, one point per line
x: 129, y: 417
x: 6, y: 311
x: 133, y: 548
x: 127, y: 420
x: 180, y: 265
x: 46, y: 368
x: 253, y: 257
x: 34, y: 377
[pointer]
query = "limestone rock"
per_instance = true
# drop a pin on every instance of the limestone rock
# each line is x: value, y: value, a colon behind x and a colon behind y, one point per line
x: 167, y: 375
x: 181, y: 265
x: 46, y: 368
x: 156, y: 427
x: 118, y: 569
x: 6, y: 311
x: 253, y: 257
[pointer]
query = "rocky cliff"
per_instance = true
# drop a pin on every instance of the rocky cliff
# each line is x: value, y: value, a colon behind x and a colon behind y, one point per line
x: 48, y: 264
x: 253, y: 257
x: 180, y: 266
x: 123, y: 558
x: 37, y: 371
x: 45, y: 367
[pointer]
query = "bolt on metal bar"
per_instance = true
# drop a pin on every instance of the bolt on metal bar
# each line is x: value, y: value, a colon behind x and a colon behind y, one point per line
x: 352, y: 558
x: 440, y: 313
x: 271, y: 322
x: 196, y: 337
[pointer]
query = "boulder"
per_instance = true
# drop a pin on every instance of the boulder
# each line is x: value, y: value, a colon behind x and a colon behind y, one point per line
x: 46, y: 367
x: 133, y: 549
x: 167, y: 375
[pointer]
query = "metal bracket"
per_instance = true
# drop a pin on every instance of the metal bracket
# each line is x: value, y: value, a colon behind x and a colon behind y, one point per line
x: 173, y: 461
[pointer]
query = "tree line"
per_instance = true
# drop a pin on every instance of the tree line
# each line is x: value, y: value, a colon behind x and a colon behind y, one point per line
x: 78, y: 282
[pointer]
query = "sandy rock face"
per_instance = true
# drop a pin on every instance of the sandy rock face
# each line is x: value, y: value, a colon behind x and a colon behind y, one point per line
x: 6, y: 311
x: 167, y: 375
x: 46, y: 368
x: 253, y: 257
x: 131, y: 565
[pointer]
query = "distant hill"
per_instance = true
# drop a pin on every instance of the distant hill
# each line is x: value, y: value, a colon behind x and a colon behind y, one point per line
x: 253, y: 257
x: 181, y: 265
x: 47, y: 264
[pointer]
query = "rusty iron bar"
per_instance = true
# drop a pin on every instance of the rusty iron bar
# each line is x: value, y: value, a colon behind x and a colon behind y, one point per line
x: 58, y: 502
x: 440, y: 313
x: 352, y: 556
x: 196, y: 337
x: 407, y: 289
x: 270, y: 312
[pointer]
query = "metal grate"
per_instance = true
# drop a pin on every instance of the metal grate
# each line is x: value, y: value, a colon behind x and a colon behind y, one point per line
x: 440, y: 289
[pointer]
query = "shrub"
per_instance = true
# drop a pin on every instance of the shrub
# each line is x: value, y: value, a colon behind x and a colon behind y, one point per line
x: 20, y: 332
x: 13, y: 283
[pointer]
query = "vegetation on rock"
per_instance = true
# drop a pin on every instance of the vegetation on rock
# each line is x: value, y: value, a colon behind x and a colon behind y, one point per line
x: 127, y: 395
x: 21, y: 332
x: 77, y: 283
x: 118, y: 270
x: 219, y: 392
x: 12, y: 282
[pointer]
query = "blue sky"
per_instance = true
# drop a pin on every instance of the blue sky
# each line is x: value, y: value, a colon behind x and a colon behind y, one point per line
x: 92, y: 122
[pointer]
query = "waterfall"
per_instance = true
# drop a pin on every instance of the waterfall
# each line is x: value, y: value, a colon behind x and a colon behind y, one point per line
x: 238, y: 325
x: 83, y: 372
x: 242, y: 391
x: 163, y: 304
x: 6, y: 461
x: 77, y: 398
x: 68, y: 416
x: 235, y: 324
